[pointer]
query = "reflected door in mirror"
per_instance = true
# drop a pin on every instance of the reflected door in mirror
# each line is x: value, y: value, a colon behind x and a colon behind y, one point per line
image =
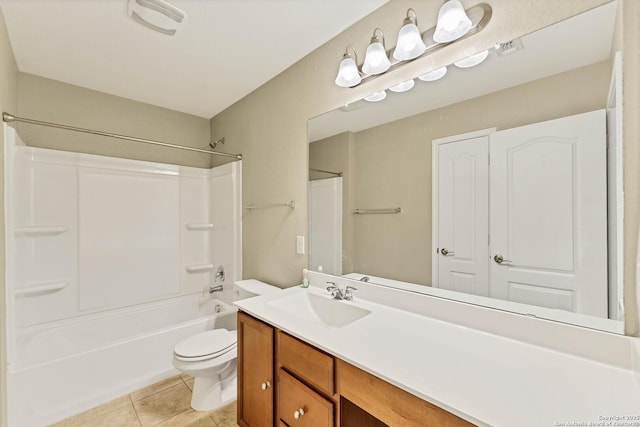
x: 548, y: 214
x: 463, y: 227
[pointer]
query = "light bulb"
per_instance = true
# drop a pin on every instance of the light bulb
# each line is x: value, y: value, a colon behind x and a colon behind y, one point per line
x: 376, y: 96
x: 348, y: 74
x: 375, y: 60
x: 434, y: 75
x: 453, y: 22
x: 403, y: 87
x: 410, y: 44
x: 472, y: 60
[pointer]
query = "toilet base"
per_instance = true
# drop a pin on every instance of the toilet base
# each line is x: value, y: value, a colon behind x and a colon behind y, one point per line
x: 210, y: 392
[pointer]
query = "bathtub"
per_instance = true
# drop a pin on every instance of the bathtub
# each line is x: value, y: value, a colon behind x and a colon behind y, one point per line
x: 65, y: 367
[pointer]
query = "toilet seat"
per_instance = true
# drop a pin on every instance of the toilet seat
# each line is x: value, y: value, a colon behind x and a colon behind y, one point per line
x: 206, y: 345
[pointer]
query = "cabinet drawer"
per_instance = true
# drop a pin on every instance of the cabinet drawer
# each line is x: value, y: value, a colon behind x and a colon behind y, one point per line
x: 313, y: 366
x: 389, y: 404
x: 294, y: 396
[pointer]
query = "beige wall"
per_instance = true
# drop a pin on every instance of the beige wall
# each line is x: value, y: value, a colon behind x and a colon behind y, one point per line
x: 8, y: 102
x: 53, y: 101
x: 391, y: 164
x: 269, y: 125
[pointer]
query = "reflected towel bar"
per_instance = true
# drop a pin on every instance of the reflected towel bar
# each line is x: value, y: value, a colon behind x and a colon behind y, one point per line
x: 377, y: 211
x: 325, y: 171
x: 291, y: 205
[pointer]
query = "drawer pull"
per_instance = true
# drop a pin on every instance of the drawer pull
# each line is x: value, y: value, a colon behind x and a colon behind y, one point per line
x: 298, y: 414
x: 266, y: 385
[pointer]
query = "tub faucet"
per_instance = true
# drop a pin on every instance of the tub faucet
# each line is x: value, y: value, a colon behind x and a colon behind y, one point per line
x: 218, y: 288
x: 340, y: 294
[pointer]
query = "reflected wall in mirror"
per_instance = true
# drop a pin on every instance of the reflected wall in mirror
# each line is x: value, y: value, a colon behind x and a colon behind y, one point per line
x: 499, y: 184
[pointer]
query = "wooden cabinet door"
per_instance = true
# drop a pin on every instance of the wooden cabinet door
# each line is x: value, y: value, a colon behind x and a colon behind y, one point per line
x: 255, y: 372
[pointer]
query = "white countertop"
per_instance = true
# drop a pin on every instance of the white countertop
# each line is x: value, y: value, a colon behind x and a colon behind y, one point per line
x: 485, y: 378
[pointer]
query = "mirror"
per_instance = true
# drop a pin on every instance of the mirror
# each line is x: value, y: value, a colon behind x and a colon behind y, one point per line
x: 498, y: 185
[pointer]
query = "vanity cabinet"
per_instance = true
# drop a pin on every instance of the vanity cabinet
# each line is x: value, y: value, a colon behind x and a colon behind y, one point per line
x: 255, y: 372
x: 315, y: 389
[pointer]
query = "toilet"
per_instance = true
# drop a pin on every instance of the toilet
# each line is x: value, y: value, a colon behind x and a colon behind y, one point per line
x: 210, y: 357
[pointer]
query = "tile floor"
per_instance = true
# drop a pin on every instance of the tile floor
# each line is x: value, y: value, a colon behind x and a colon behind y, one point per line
x: 165, y: 403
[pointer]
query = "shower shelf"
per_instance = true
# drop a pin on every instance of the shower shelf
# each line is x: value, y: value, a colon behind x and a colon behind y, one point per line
x: 41, y: 230
x: 198, y: 268
x: 41, y: 289
x: 196, y: 226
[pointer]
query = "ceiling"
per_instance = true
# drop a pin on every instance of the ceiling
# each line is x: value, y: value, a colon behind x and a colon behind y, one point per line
x: 225, y: 50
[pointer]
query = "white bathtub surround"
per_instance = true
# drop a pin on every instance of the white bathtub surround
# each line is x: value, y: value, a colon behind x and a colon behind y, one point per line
x: 492, y: 374
x: 76, y: 364
x: 100, y: 277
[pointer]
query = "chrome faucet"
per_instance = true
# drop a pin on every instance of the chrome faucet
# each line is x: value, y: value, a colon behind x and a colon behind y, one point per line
x: 218, y: 288
x: 219, y: 274
x: 340, y: 294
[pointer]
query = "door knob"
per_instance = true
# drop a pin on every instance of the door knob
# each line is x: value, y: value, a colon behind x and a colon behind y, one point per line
x: 299, y: 413
x: 265, y: 385
x: 500, y: 260
x: 445, y: 252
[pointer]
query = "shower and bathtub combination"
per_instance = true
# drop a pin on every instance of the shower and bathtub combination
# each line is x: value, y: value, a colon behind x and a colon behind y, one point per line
x: 109, y: 262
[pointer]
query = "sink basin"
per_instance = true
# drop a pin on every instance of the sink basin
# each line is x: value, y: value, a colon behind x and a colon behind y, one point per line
x: 320, y: 309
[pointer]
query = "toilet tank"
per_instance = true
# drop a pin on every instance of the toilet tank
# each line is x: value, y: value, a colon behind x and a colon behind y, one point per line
x: 250, y: 288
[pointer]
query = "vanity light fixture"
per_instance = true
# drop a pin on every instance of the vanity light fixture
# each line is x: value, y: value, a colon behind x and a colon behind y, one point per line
x: 348, y: 74
x: 472, y: 60
x: 410, y: 44
x: 453, y: 22
x: 376, y: 96
x: 403, y: 86
x: 376, y: 60
x: 434, y: 75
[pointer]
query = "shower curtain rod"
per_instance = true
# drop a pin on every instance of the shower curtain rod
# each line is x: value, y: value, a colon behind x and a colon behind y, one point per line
x: 6, y: 117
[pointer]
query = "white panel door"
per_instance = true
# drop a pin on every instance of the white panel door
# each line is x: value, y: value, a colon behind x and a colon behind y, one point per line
x: 463, y: 175
x: 325, y: 225
x: 549, y: 214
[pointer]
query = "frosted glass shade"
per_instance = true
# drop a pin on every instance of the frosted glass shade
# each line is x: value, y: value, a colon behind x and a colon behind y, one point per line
x: 472, y: 60
x: 410, y: 44
x: 376, y: 60
x: 376, y: 96
x: 434, y: 75
x: 453, y: 22
x: 348, y: 74
x: 403, y: 87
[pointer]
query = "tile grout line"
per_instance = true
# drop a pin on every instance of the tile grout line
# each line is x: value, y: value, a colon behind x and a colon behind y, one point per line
x: 135, y: 410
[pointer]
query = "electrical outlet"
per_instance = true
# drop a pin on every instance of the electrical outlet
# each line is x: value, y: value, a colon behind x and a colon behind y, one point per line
x: 300, y: 245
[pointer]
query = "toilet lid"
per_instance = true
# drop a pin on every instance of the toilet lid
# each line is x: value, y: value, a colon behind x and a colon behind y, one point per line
x: 210, y: 343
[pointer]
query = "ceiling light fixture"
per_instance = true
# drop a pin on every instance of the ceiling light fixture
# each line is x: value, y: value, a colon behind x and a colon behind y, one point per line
x: 472, y: 60
x: 411, y: 43
x: 453, y: 22
x: 158, y: 15
x: 376, y: 60
x: 376, y: 96
x: 434, y: 75
x: 403, y: 87
x: 348, y: 74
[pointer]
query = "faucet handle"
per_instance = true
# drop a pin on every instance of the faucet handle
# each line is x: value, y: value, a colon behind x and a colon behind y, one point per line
x: 347, y: 292
x: 332, y: 286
